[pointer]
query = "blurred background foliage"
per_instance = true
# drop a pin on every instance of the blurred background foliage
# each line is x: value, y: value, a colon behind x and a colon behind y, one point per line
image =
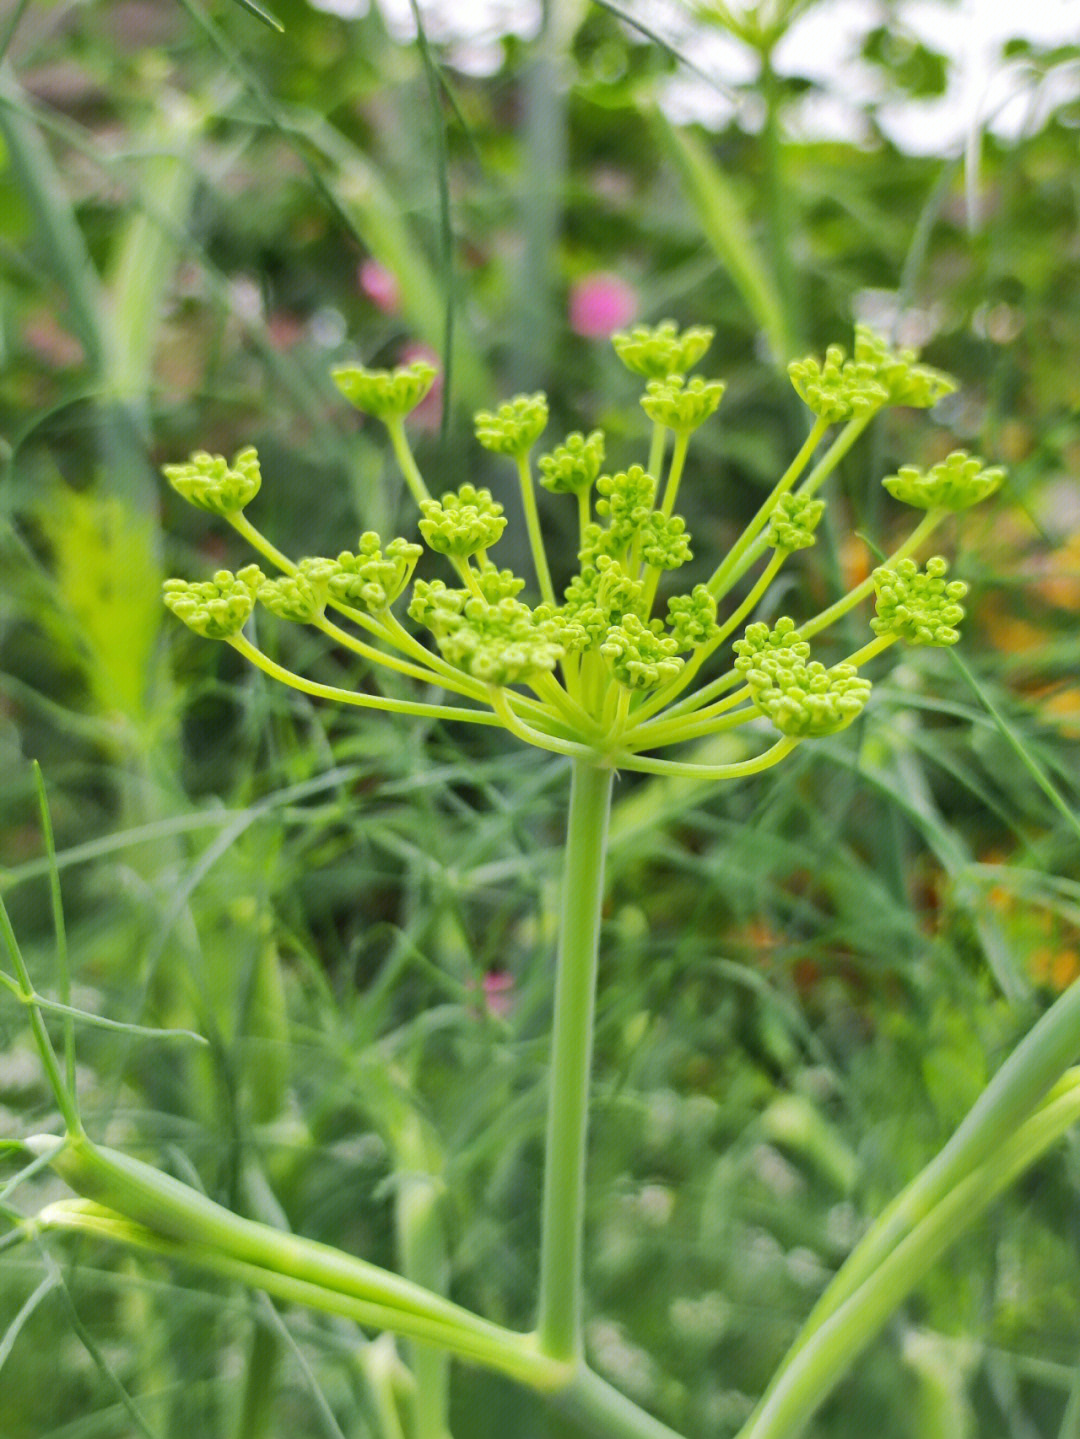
x: 806, y: 979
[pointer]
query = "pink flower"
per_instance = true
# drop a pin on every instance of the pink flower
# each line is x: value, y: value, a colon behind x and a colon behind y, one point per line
x: 599, y: 304
x: 380, y: 285
x: 498, y: 987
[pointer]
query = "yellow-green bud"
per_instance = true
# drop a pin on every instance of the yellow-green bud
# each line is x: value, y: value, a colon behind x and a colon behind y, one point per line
x: 211, y: 483
x: 921, y: 607
x: 387, y: 394
x: 682, y: 405
x: 661, y: 351
x: 799, y: 695
x: 217, y: 608
x: 572, y: 467
x: 513, y: 428
x: 793, y: 522
x: 640, y: 656
x: 954, y: 483
x: 462, y: 523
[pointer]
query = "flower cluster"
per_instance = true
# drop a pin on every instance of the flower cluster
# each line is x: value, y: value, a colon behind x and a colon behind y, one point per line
x: 596, y: 670
x: 210, y: 483
x: 389, y: 395
x: 217, y: 608
x: 515, y: 427
x: 682, y: 405
x: 662, y: 351
x: 572, y: 467
x: 372, y: 579
x: 919, y: 606
x: 793, y: 522
x: 798, y: 694
x: 491, y: 636
x: 957, y: 481
x: 462, y: 524
x: 839, y: 389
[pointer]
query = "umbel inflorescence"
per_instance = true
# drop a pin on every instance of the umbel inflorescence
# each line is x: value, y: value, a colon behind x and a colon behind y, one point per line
x: 605, y: 671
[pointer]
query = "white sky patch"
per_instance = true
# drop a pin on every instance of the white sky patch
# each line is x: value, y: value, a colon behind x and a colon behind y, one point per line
x: 984, y: 90
x: 470, y: 23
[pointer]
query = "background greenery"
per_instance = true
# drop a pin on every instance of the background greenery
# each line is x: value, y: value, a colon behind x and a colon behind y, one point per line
x: 806, y: 978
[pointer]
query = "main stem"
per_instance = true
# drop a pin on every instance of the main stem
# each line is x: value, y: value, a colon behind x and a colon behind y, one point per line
x: 562, y: 1222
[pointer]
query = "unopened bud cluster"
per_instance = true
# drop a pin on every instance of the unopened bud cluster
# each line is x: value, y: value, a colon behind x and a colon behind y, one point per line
x: 609, y: 665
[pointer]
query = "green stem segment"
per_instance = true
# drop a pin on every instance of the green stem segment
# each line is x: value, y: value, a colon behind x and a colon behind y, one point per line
x: 395, y: 428
x: 532, y: 525
x: 828, y: 1353
x: 562, y: 1224
x: 1010, y: 1097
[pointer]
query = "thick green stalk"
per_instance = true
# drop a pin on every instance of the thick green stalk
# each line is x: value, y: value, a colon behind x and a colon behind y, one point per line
x: 395, y: 428
x: 603, y: 1410
x: 1004, y: 1104
x: 421, y: 1241
x: 486, y: 1344
x: 829, y: 1352
x: 422, y: 1245
x: 562, y: 1223
x: 173, y: 1211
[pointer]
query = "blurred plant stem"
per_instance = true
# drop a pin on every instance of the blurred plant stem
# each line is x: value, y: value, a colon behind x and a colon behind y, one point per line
x: 782, y: 224
x: 545, y: 90
x: 421, y: 1239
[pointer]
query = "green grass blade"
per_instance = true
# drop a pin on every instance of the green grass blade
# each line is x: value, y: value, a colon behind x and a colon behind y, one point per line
x: 726, y: 226
x: 100, y: 1363
x: 46, y: 194
x: 1016, y: 744
x: 11, y: 1333
x: 63, y: 965
x: 442, y: 181
x: 260, y: 14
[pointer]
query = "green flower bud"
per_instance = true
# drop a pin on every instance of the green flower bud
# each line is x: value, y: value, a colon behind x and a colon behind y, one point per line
x: 837, y: 388
x: 372, y: 579
x: 496, y: 585
x: 210, y: 483
x: 905, y: 381
x: 217, y: 608
x: 572, y: 467
x: 682, y: 405
x: 300, y: 598
x: 462, y: 524
x: 513, y: 428
x: 793, y: 522
x: 386, y: 394
x: 640, y: 656
x: 662, y: 351
x: 664, y: 541
x: 956, y: 482
x: 500, y: 643
x: 759, y: 642
x: 599, y: 596
x: 435, y: 605
x: 799, y: 695
x: 627, y: 500
x: 567, y: 629
x: 692, y: 618
x: 921, y: 607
